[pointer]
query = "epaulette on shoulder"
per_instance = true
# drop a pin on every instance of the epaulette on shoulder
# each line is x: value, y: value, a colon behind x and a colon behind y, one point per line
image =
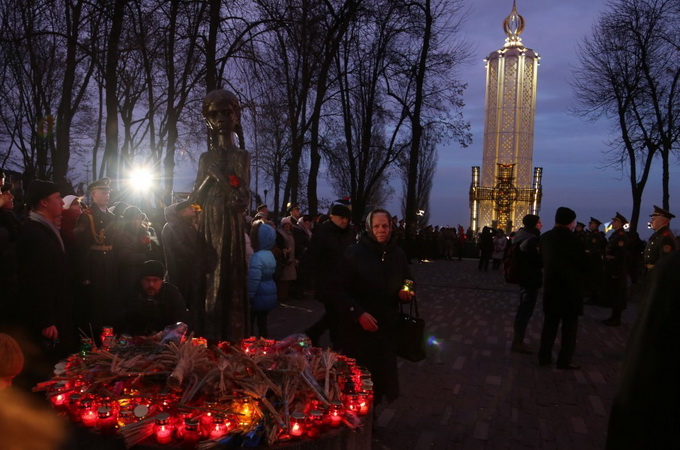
x: 666, y: 233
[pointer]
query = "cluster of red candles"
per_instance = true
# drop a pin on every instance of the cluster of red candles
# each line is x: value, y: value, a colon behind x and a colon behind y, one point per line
x: 208, y: 420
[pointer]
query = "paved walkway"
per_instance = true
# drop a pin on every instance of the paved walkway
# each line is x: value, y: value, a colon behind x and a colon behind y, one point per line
x: 472, y: 392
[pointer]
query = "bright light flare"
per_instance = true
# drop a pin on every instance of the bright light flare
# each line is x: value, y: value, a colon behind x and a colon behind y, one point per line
x: 140, y: 179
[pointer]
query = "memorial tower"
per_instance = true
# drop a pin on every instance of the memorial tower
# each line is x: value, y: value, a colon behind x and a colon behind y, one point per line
x: 506, y: 188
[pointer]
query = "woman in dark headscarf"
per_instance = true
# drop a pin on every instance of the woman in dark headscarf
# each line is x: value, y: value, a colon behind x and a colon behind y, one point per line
x: 368, y: 289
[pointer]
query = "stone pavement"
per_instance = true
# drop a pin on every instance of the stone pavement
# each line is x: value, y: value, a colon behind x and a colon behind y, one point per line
x: 472, y: 392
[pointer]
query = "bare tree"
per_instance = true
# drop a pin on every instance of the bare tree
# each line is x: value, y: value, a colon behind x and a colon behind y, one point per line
x: 425, y: 85
x: 427, y: 167
x: 627, y: 76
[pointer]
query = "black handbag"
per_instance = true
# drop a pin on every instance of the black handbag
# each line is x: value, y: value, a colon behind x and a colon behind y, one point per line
x: 411, y: 334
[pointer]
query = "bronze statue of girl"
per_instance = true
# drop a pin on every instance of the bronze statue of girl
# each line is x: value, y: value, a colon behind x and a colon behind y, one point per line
x: 222, y: 190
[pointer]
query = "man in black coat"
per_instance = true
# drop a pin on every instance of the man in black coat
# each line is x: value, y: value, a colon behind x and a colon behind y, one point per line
x: 644, y: 413
x: 563, y: 273
x: 182, y: 244
x: 531, y: 280
x: 329, y: 242
x: 97, y: 267
x: 156, y: 303
x: 45, y: 305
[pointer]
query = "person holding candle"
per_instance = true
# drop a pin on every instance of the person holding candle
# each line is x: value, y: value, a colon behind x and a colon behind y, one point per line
x: 368, y: 286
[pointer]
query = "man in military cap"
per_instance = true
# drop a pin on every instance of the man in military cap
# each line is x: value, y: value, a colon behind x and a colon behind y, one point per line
x: 615, y: 264
x: 97, y: 269
x: 580, y: 232
x: 662, y: 242
x: 595, y: 246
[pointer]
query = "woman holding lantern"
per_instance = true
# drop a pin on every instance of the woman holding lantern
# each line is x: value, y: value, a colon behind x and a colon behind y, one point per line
x: 373, y: 276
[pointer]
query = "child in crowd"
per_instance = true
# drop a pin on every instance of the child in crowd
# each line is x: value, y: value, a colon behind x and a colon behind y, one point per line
x: 261, y: 284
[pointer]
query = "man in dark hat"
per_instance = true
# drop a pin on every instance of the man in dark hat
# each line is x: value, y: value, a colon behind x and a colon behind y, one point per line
x: 595, y: 245
x: 616, y: 271
x: 156, y: 303
x: 329, y: 241
x: 97, y: 268
x: 46, y: 306
x: 662, y: 242
x: 183, y: 249
x: 563, y: 272
x: 580, y: 232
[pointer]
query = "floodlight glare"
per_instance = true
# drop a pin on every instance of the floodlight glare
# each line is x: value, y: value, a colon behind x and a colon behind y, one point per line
x: 140, y: 179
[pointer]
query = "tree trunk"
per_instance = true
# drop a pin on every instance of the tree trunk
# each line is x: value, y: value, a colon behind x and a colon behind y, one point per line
x: 111, y: 82
x: 417, y: 129
x: 211, y: 81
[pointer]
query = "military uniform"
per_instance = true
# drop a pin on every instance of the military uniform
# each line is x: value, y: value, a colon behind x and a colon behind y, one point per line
x: 595, y: 246
x: 616, y: 273
x: 660, y: 244
x: 97, y: 268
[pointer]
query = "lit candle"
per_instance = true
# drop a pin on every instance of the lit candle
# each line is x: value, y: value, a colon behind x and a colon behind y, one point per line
x: 351, y: 403
x: 88, y: 416
x: 335, y: 413
x: 408, y: 286
x: 74, y: 406
x: 199, y: 342
x: 125, y: 417
x: 297, y: 427
x: 107, y: 338
x: 163, y: 428
x: 218, y: 428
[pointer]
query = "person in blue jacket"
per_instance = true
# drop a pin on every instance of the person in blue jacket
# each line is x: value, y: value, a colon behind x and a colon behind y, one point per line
x: 261, y: 284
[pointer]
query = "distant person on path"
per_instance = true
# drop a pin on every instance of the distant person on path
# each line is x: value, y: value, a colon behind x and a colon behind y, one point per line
x: 644, y: 413
x: 499, y: 244
x: 563, y: 272
x: 485, y: 246
x: 616, y: 271
x: 527, y: 239
x: 368, y: 289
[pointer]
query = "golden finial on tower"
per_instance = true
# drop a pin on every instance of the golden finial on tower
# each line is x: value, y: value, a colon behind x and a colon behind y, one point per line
x: 513, y: 25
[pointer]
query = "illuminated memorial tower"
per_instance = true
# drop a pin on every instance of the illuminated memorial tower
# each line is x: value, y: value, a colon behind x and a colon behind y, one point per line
x: 505, y: 190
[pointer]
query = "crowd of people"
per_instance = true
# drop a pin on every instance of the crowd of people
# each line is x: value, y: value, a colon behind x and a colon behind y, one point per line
x: 69, y: 269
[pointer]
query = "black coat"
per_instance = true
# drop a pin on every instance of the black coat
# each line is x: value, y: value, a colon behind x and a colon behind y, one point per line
x: 563, y: 272
x: 328, y: 244
x: 368, y: 279
x: 530, y: 262
x: 45, y: 296
x: 149, y: 315
x: 183, y: 250
x: 645, y: 410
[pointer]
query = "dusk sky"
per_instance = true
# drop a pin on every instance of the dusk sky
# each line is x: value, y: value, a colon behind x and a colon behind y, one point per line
x: 568, y: 148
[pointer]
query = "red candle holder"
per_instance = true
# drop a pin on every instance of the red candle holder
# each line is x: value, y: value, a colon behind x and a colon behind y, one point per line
x: 88, y: 416
x: 58, y: 396
x: 219, y: 427
x: 335, y: 414
x: 108, y: 339
x: 199, y: 342
x: 125, y: 417
x: 314, y: 423
x: 74, y: 406
x: 297, y: 425
x: 191, y: 432
x: 106, y: 420
x: 163, y: 429
x: 351, y: 403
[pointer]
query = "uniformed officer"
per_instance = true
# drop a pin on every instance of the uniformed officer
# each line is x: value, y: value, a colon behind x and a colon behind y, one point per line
x: 595, y: 246
x: 97, y: 272
x: 580, y: 232
x: 616, y: 282
x: 662, y: 242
